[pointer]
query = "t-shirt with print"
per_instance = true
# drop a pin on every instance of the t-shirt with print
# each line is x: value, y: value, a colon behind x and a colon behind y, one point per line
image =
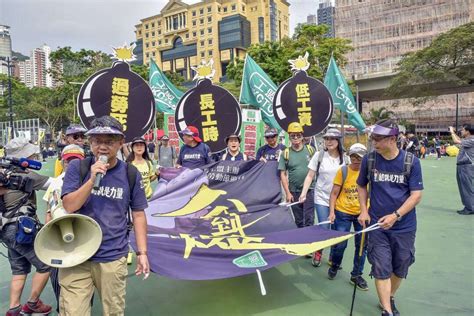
x: 270, y: 153
x: 389, y: 189
x: 228, y: 157
x: 147, y: 171
x: 194, y: 157
x: 108, y: 206
x: 297, y: 168
x: 327, y: 172
x: 53, y: 193
x: 348, y: 199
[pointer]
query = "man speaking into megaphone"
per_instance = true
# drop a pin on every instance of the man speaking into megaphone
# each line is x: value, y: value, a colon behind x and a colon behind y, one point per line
x: 105, y: 189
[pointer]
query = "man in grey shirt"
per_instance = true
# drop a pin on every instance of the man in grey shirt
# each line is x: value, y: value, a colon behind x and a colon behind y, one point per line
x: 166, y: 153
x: 465, y: 167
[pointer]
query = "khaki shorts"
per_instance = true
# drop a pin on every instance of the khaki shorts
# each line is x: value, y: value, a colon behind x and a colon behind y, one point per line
x: 77, y: 286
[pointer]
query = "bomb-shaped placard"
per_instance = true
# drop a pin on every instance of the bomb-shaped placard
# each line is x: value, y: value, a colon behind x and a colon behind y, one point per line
x: 120, y: 93
x: 303, y: 99
x: 213, y: 110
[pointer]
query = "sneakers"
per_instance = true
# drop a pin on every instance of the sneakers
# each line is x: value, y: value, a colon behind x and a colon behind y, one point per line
x: 39, y: 308
x: 317, y: 257
x: 14, y: 311
x: 359, y: 282
x: 395, y: 311
x: 332, y: 272
x: 385, y: 313
x: 465, y: 212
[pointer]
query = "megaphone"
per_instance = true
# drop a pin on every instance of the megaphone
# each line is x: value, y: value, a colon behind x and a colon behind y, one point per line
x: 68, y: 240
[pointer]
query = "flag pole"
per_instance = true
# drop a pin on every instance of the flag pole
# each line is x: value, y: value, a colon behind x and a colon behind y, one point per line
x: 361, y: 249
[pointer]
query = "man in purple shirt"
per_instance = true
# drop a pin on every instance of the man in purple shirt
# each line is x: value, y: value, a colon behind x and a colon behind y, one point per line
x: 194, y: 153
x: 108, y: 205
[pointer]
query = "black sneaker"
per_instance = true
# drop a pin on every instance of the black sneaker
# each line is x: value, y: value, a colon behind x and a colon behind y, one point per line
x: 332, y: 272
x: 385, y: 313
x: 359, y: 282
x: 395, y: 311
x: 465, y: 212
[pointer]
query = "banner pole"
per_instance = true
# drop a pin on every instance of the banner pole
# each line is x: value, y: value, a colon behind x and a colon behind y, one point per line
x: 260, y: 281
x: 361, y: 249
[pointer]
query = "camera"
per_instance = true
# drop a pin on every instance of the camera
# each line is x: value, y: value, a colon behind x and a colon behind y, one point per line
x: 11, y: 181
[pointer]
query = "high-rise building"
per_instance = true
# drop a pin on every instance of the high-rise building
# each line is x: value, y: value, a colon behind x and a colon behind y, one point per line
x: 23, y: 71
x: 41, y: 64
x: 326, y: 12
x: 312, y: 19
x: 383, y: 31
x: 5, y: 46
x: 182, y: 35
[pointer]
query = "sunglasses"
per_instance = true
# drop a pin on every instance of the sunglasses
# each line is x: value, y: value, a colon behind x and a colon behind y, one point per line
x: 296, y: 136
x: 267, y: 137
x: 77, y: 136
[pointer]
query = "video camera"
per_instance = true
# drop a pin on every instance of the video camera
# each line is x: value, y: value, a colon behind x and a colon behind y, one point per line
x: 10, y: 165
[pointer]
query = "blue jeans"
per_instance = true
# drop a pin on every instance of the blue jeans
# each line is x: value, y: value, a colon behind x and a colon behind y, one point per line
x: 322, y: 211
x: 343, y: 223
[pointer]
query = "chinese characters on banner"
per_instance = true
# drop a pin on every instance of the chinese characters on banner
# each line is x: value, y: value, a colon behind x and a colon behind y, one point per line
x: 212, y: 110
x: 170, y: 130
x: 120, y: 93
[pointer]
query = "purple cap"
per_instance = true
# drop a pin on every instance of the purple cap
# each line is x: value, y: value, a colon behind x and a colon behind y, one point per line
x: 104, y: 130
x: 385, y: 131
x: 75, y: 129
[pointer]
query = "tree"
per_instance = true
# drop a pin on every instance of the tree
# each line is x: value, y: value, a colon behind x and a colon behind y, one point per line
x: 448, y: 59
x: 378, y: 114
x: 273, y: 56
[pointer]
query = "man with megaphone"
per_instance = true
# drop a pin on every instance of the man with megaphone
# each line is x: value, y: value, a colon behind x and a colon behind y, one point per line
x: 106, y: 194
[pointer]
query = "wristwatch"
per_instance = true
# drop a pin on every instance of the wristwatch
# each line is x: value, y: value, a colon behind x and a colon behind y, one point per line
x: 141, y: 253
x: 399, y: 217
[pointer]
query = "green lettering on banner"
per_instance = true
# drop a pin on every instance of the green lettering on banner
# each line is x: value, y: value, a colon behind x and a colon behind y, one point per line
x: 166, y: 95
x: 252, y: 259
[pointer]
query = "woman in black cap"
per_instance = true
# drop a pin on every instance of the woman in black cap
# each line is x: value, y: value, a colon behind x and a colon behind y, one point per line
x: 233, y: 152
x: 141, y: 160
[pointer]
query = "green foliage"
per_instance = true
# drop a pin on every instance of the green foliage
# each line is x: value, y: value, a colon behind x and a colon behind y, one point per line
x: 378, y: 114
x: 448, y: 59
x: 273, y: 56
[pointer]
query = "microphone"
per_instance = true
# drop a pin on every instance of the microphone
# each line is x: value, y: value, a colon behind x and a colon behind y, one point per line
x: 30, y: 164
x: 99, y: 176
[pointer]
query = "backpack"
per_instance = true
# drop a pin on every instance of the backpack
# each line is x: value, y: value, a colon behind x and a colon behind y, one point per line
x: 286, y: 154
x: 407, y: 164
x: 132, y: 171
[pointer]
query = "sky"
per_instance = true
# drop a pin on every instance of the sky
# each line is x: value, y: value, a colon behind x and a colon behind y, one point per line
x: 92, y: 24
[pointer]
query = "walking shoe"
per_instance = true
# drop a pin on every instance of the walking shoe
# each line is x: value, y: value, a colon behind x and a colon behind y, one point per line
x: 465, y: 212
x: 316, y: 261
x: 38, y: 308
x: 395, y: 311
x: 14, y: 311
x: 332, y: 272
x: 385, y: 313
x: 359, y: 282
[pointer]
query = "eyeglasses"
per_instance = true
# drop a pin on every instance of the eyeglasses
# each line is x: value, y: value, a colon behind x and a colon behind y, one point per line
x: 296, y: 136
x: 98, y: 142
x: 378, y: 138
x: 77, y: 136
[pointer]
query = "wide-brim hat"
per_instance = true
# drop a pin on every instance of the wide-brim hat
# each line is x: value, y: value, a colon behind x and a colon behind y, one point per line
x: 164, y: 137
x: 232, y: 136
x: 271, y: 132
x: 358, y: 149
x: 138, y: 140
x: 333, y: 132
x: 20, y: 147
x: 104, y: 130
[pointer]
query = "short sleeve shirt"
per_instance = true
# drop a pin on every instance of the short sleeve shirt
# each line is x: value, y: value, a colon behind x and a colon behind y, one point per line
x: 270, y: 153
x: 109, y: 206
x: 390, y: 188
x: 194, y: 157
x: 297, y: 168
x: 348, y: 199
x: 146, y: 170
x: 327, y: 172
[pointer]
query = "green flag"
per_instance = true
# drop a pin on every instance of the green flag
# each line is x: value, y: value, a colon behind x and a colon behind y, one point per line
x: 258, y: 90
x: 342, y: 95
x: 165, y: 93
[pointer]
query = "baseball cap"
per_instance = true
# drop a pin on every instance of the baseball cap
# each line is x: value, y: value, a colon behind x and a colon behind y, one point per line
x: 191, y: 131
x: 358, y: 149
x: 72, y: 151
x: 164, y: 137
x: 138, y: 140
x: 270, y: 132
x: 75, y: 129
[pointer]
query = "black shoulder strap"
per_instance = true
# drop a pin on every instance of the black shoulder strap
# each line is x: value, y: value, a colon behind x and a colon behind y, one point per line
x: 408, y: 163
x: 84, y: 168
x: 132, y: 176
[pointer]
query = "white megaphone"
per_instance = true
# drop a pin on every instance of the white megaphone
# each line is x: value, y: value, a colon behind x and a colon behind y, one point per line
x: 67, y: 240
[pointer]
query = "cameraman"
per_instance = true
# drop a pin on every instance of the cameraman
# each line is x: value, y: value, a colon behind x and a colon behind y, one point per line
x: 13, y: 204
